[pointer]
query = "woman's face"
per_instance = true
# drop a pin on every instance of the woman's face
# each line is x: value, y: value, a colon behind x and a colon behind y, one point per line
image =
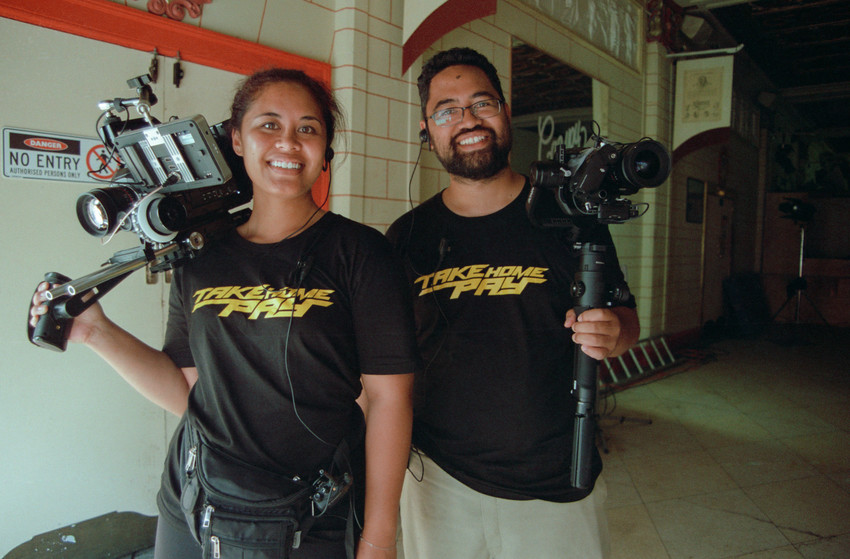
x: 282, y: 141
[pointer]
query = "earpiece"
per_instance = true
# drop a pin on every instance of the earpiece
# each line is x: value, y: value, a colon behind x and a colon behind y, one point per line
x: 329, y: 154
x: 423, y: 136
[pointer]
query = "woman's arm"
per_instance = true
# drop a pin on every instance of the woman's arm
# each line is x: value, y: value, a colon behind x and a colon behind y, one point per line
x: 388, y: 424
x: 150, y: 371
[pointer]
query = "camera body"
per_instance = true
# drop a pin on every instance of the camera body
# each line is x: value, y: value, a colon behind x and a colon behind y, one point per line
x: 591, y: 182
x: 178, y: 186
x: 175, y: 179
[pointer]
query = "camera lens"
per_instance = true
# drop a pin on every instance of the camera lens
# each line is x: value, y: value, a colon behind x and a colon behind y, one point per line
x: 98, y: 210
x: 96, y: 215
x: 158, y: 219
x: 167, y: 215
x: 547, y: 174
x: 647, y: 167
x: 646, y: 164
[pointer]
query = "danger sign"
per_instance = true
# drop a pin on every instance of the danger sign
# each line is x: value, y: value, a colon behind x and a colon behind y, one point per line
x: 30, y: 154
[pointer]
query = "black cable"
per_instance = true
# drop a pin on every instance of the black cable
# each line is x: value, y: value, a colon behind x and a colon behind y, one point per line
x: 110, y: 156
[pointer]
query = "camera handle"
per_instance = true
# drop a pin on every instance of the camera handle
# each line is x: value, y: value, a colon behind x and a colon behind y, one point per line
x: 590, y: 289
x: 68, y: 300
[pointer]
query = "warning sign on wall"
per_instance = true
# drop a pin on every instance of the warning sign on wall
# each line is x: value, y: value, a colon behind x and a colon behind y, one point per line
x: 47, y: 156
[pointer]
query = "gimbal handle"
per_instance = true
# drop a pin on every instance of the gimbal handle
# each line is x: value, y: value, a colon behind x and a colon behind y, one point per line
x: 591, y: 289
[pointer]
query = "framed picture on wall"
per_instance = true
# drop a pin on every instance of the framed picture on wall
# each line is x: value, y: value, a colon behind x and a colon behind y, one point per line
x: 694, y: 202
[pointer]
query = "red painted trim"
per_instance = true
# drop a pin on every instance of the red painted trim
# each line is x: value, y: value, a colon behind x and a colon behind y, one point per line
x: 451, y: 15
x: 702, y: 140
x: 113, y: 23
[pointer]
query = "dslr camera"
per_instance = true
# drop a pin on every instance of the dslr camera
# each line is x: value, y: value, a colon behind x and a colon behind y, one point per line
x: 591, y: 182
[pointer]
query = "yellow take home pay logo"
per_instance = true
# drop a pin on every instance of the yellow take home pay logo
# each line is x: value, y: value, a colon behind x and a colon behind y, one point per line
x: 482, y: 279
x: 262, y: 301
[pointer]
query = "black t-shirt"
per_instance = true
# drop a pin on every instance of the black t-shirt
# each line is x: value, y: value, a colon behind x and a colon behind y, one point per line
x: 280, y: 334
x: 493, y: 405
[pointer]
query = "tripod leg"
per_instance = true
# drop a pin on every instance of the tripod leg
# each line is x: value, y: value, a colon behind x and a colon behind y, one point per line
x: 817, y: 311
x: 785, y: 304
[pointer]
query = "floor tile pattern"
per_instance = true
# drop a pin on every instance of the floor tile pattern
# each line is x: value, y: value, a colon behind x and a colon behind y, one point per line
x: 747, y: 455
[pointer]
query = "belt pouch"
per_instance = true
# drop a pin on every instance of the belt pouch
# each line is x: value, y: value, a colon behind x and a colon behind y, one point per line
x: 235, y: 509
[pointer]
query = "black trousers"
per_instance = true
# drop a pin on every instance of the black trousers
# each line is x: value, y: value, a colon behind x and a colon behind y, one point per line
x: 325, y: 540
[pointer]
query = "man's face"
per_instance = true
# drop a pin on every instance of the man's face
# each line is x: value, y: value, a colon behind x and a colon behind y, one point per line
x: 473, y: 148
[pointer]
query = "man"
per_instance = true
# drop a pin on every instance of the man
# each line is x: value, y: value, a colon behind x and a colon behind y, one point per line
x: 490, y: 473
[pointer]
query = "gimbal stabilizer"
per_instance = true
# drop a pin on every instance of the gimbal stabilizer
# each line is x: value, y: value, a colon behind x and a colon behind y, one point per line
x: 587, y: 185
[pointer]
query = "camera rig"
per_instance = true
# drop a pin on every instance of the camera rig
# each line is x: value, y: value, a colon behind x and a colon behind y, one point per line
x: 580, y: 187
x: 591, y: 182
x: 178, y: 186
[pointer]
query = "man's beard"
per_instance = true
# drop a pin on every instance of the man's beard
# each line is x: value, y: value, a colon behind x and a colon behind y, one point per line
x: 480, y: 164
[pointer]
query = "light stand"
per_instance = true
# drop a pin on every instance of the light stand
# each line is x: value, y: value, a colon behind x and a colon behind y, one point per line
x: 802, y: 214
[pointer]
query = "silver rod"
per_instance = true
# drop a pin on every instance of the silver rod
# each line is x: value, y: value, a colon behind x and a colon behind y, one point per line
x: 89, y: 281
x: 670, y: 353
x: 657, y: 353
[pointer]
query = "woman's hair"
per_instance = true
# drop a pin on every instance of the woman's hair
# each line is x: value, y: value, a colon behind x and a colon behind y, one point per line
x: 250, y: 88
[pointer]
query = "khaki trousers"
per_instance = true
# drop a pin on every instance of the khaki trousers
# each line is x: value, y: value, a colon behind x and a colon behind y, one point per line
x: 442, y: 518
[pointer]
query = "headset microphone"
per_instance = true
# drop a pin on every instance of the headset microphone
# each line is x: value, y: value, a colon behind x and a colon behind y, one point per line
x: 300, y: 272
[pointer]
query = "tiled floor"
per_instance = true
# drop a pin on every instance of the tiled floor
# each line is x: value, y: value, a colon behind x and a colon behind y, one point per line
x: 747, y: 455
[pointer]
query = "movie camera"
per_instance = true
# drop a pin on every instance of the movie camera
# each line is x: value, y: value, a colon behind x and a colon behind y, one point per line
x: 587, y: 185
x: 591, y: 182
x: 178, y: 186
x: 173, y: 177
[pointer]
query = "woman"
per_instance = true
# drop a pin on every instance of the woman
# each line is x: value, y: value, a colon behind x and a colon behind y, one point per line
x: 271, y: 333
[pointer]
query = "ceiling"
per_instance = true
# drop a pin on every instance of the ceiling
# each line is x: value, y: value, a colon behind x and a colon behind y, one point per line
x: 541, y: 83
x: 801, y: 46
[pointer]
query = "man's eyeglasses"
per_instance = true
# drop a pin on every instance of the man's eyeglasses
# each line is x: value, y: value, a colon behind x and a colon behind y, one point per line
x: 480, y: 109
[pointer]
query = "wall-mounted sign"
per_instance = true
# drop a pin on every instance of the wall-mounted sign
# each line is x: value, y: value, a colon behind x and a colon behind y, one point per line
x: 551, y: 134
x: 703, y: 105
x: 537, y: 135
x: 29, y: 154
